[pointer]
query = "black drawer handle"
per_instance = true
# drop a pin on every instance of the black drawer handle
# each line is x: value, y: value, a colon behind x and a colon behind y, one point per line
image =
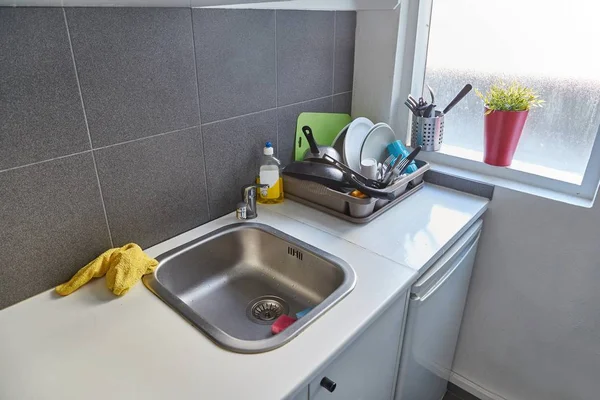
x: 328, y: 384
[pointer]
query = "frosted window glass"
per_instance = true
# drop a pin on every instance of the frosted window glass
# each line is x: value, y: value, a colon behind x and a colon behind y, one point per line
x: 548, y: 45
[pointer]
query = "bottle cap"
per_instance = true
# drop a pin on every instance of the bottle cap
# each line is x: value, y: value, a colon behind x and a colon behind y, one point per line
x: 268, y: 150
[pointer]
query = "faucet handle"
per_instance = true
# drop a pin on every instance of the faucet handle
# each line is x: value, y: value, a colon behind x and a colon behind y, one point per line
x: 248, y: 189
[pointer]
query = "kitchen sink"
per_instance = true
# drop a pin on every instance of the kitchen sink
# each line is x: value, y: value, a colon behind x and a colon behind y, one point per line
x: 233, y: 283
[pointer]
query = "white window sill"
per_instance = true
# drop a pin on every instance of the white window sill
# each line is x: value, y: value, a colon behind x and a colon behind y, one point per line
x: 537, y: 170
x: 509, y: 178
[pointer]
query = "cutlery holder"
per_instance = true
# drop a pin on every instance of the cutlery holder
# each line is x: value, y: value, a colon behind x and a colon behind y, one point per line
x: 427, y: 132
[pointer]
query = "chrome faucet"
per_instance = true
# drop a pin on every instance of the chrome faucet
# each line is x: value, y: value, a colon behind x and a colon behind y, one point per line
x: 247, y: 208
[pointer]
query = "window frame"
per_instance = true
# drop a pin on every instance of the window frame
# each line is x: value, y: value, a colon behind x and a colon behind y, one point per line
x: 413, y: 70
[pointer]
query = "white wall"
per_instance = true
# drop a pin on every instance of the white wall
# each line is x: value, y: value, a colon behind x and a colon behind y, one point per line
x: 531, y: 329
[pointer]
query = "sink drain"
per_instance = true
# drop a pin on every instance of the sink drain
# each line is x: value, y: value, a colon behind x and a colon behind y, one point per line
x: 266, y: 309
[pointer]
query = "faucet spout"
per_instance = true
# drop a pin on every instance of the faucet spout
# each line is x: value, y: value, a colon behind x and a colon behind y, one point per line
x: 247, y: 208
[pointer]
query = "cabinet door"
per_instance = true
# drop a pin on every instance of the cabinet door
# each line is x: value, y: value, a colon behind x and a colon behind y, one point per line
x: 303, y: 395
x: 367, y: 369
x: 434, y: 316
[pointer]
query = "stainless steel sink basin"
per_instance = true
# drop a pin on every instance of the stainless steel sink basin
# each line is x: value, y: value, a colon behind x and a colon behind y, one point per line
x: 236, y: 281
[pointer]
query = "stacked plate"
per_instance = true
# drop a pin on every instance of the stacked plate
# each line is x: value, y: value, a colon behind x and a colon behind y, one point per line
x: 361, y: 139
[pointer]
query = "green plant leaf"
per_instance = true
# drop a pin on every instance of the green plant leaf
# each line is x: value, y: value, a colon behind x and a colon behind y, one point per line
x: 513, y: 97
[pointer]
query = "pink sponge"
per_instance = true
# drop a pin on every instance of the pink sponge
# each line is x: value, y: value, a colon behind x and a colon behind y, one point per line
x: 281, y: 324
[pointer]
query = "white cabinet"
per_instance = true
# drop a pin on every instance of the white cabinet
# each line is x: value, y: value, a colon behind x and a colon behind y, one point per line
x: 367, y: 369
x: 435, y: 313
x: 303, y: 395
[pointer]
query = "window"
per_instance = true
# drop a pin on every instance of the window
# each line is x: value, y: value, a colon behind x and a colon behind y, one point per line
x: 548, y: 45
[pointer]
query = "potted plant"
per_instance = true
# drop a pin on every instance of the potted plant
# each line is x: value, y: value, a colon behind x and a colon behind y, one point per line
x: 506, y: 110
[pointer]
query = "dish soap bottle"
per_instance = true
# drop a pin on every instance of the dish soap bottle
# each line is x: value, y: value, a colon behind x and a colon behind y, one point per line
x: 270, y: 174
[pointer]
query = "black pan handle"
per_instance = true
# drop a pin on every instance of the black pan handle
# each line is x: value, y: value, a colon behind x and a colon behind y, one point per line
x: 348, y: 171
x: 458, y: 97
x: 311, y: 139
x: 410, y: 159
x: 376, y: 193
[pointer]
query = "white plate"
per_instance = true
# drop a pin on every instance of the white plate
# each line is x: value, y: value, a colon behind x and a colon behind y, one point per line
x: 338, y: 142
x: 357, y: 132
x: 375, y: 144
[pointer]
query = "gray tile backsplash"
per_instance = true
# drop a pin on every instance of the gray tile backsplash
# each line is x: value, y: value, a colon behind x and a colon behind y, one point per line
x: 230, y: 164
x: 305, y: 48
x: 52, y: 223
x: 342, y: 103
x: 179, y: 103
x: 40, y: 110
x: 345, y: 27
x: 136, y: 69
x: 154, y: 188
x: 235, y: 52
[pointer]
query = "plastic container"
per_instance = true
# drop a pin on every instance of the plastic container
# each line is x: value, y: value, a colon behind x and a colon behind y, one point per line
x: 270, y: 173
x: 362, y: 207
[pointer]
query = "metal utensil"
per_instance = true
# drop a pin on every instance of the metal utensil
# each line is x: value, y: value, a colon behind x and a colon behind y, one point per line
x: 387, y: 162
x: 429, y: 111
x: 390, y: 170
x: 421, y: 109
x: 458, y: 97
x: 399, y: 168
x: 348, y: 172
x: 315, y: 151
x: 432, y: 94
x: 412, y: 100
x: 411, y: 107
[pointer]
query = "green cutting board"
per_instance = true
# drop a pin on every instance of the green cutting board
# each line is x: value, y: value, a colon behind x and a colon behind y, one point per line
x: 325, y: 127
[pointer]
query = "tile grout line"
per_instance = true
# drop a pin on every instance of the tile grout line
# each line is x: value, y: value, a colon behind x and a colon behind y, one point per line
x: 276, y: 68
x: 269, y: 109
x: 241, y: 116
x: 342, y: 93
x: 87, y: 128
x: 120, y: 143
x: 318, y: 98
x: 145, y: 138
x: 200, y: 113
x: 44, y: 161
x: 276, y: 87
x: 333, y: 67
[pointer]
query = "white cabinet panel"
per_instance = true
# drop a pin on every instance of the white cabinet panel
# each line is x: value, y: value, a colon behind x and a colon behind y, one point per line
x: 433, y: 324
x: 367, y: 369
x: 303, y: 395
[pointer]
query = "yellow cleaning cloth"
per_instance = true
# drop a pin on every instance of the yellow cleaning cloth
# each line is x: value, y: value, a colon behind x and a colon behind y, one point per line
x: 123, y: 267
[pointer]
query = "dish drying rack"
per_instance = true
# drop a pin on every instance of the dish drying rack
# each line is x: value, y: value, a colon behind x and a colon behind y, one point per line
x: 350, y: 208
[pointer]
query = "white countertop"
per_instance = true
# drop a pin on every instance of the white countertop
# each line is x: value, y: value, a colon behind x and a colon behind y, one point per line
x: 94, y: 345
x: 415, y: 233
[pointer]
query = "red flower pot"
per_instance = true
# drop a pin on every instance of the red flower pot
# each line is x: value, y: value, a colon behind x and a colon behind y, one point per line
x: 502, y: 133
